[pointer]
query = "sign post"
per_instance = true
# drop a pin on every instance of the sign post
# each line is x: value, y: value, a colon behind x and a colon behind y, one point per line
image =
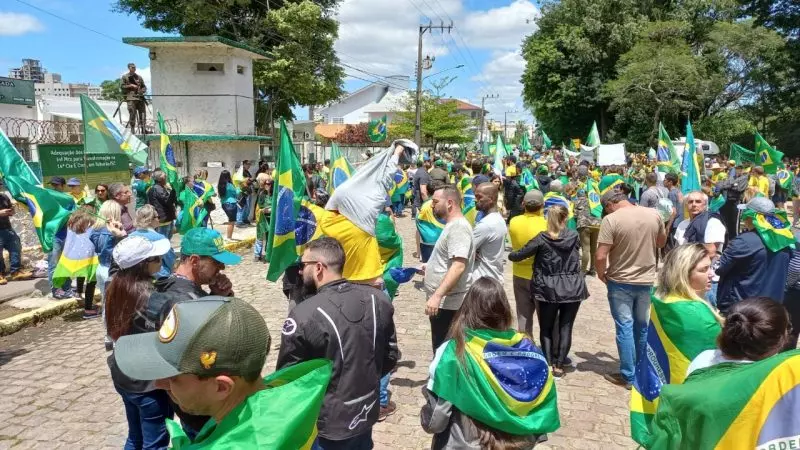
x: 16, y: 92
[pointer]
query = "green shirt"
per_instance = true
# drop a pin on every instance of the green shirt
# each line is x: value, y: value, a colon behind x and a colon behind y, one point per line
x: 140, y: 187
x: 231, y: 194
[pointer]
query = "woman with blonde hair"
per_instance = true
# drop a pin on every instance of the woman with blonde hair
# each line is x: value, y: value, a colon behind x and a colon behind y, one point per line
x: 106, y: 232
x: 558, y: 285
x: 682, y: 325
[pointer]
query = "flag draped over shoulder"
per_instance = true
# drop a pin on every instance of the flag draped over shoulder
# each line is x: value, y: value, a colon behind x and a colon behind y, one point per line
x: 767, y: 157
x: 193, y: 211
x: 553, y: 198
x: 593, y: 195
x: 593, y: 140
x: 774, y: 229
x: 679, y: 330
x: 690, y: 167
x: 391, y: 247
x: 609, y: 182
x: 49, y: 209
x: 287, y: 195
x: 78, y: 259
x: 504, y: 382
x: 102, y: 135
x: 429, y: 227
x: 468, y: 207
x: 668, y: 160
x: 340, y: 170
x: 167, y: 159
x: 733, y: 406
x: 296, y: 392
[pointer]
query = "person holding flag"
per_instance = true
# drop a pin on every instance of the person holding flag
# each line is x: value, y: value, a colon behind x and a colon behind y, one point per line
x: 587, y: 210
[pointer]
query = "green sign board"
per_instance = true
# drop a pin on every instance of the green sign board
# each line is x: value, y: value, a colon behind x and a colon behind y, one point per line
x: 91, y: 168
x: 16, y: 92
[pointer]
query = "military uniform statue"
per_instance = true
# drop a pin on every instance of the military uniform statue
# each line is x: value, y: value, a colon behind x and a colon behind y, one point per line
x: 133, y: 88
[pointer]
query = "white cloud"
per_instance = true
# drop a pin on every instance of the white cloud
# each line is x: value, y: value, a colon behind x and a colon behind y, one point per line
x: 503, y: 27
x: 17, y: 24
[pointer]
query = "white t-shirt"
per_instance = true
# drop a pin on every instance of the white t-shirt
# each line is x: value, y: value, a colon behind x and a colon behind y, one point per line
x: 489, y: 237
x: 710, y: 358
x: 715, y: 234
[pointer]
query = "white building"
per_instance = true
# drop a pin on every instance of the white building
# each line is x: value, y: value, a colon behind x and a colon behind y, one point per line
x: 371, y: 101
x: 54, y: 87
x: 206, y: 84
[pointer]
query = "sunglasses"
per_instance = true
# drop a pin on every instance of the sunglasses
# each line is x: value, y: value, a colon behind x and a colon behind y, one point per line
x: 303, y: 264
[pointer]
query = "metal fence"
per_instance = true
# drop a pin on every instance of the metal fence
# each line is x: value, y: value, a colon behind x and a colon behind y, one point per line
x: 31, y: 131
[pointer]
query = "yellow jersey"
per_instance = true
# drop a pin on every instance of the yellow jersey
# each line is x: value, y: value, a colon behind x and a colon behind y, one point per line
x: 761, y: 183
x: 522, y: 229
x: 361, y: 252
x: 717, y: 177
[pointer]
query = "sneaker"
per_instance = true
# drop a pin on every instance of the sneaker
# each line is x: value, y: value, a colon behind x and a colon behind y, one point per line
x: 558, y: 372
x: 387, y: 411
x: 61, y: 294
x: 568, y: 361
x: 21, y: 275
x: 91, y: 314
x: 3, y: 280
x: 616, y: 378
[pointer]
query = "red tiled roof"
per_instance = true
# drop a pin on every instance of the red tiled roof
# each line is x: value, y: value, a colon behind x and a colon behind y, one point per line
x: 462, y: 105
x: 328, y: 130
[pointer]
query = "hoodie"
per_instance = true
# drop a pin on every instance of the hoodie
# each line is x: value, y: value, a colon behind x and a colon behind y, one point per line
x: 557, y: 275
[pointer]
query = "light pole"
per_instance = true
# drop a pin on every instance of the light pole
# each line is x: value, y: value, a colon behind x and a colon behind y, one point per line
x: 418, y: 121
x: 442, y: 71
x: 483, y: 114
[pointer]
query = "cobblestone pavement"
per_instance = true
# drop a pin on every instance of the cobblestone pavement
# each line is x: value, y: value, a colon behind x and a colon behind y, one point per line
x: 56, y: 391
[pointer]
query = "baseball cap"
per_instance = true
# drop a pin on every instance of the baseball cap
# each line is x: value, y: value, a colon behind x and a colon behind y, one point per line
x: 439, y: 163
x: 58, y: 180
x: 204, y: 337
x: 208, y: 242
x: 533, y: 198
x: 761, y: 205
x: 140, y: 170
x: 73, y: 182
x: 134, y: 249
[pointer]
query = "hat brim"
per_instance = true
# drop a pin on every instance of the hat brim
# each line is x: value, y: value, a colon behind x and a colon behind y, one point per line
x: 228, y: 258
x: 160, y: 247
x: 138, y: 358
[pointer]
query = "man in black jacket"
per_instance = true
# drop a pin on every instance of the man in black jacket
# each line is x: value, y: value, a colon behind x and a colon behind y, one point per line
x: 513, y: 194
x: 352, y: 325
x: 164, y: 201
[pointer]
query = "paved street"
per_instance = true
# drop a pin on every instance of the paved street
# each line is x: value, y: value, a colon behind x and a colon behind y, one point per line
x: 56, y: 391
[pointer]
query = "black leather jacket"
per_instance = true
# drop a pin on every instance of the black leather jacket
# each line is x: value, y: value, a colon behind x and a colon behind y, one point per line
x: 164, y: 201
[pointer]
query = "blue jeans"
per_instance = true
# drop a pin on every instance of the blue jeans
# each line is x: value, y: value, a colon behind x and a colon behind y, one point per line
x: 630, y: 308
x: 258, y: 248
x: 9, y: 240
x: 384, y: 390
x: 165, y: 230
x: 243, y: 213
x: 146, y: 414
x: 711, y: 295
x: 361, y: 442
x: 397, y: 207
x: 52, y: 262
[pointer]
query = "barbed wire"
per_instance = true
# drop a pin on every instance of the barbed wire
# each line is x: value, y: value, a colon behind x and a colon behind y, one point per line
x: 32, y: 131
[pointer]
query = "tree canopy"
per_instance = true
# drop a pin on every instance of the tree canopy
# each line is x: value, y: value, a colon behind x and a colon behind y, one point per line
x: 441, y: 123
x: 111, y: 90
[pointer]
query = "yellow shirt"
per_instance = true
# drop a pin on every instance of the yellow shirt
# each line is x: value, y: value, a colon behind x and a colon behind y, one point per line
x: 522, y: 229
x: 361, y: 252
x: 761, y: 183
x: 717, y: 177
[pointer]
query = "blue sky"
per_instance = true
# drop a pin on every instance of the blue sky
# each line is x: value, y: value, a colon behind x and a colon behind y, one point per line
x: 376, y: 36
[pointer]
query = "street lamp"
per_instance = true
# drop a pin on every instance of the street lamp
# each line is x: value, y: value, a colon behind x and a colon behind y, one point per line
x: 418, y: 121
x: 442, y: 71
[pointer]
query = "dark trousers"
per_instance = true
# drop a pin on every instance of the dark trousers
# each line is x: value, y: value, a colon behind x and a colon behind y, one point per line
x: 88, y: 300
x: 146, y: 413
x: 440, y: 325
x: 361, y: 442
x: 556, y: 317
x: 729, y: 213
x: 791, y: 301
x: 9, y: 240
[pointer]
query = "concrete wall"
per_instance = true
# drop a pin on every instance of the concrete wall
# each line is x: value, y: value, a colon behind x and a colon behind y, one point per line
x: 204, y: 102
x: 231, y: 153
x: 350, y: 108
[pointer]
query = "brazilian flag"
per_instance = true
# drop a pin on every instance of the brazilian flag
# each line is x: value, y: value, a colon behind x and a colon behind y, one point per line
x: 768, y: 157
x: 391, y: 247
x: 733, y: 406
x: 193, y: 205
x: 168, y: 159
x: 527, y: 180
x: 784, y: 178
x: 429, y: 227
x: 340, y: 170
x: 468, y: 207
x: 679, y: 330
x: 774, y: 229
x: 287, y: 196
x: 593, y: 195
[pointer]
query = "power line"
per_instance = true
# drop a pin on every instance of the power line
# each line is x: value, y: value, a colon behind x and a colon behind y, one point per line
x: 71, y: 22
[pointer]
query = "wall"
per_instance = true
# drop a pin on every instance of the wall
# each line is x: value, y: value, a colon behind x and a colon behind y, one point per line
x: 350, y: 107
x: 174, y: 73
x: 231, y: 153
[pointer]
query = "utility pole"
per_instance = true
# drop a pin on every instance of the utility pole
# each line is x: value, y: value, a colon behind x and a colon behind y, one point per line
x: 505, y: 123
x: 418, y: 122
x: 483, y: 113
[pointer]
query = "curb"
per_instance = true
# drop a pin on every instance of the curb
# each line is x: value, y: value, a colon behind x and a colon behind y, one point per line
x: 15, y: 323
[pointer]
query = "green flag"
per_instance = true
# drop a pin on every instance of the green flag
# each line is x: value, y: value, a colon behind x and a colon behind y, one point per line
x: 485, y: 148
x: 192, y: 201
x: 768, y: 157
x: 668, y: 160
x: 690, y: 167
x: 49, y: 209
x: 546, y: 142
x: 287, y: 195
x: 593, y: 140
x: 784, y: 178
x: 101, y: 135
x: 525, y: 144
x: 168, y: 159
x: 732, y: 406
x: 499, y: 154
x: 391, y: 247
x: 593, y: 195
x: 741, y: 154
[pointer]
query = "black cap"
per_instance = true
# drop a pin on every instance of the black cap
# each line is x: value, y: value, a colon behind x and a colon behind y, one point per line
x: 58, y: 180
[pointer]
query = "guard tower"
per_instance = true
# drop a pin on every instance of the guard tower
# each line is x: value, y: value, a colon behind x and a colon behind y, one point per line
x: 206, y: 84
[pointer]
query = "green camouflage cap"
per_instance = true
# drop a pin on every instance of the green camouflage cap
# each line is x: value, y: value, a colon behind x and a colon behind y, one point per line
x: 206, y: 337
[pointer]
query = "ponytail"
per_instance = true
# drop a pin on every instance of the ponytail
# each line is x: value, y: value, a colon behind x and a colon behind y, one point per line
x: 556, y: 220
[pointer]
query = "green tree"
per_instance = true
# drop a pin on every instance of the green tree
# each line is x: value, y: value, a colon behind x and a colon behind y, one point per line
x: 111, y: 90
x: 440, y: 124
x: 299, y: 35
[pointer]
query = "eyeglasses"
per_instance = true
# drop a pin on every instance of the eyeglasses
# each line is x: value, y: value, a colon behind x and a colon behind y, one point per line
x: 303, y: 264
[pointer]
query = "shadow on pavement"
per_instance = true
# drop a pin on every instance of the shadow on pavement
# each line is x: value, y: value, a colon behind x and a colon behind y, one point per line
x: 599, y: 363
x: 7, y: 355
x: 405, y: 382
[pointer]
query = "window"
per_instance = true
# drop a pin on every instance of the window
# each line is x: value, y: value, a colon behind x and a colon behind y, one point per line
x: 338, y: 121
x: 210, y: 67
x: 474, y: 114
x: 240, y: 70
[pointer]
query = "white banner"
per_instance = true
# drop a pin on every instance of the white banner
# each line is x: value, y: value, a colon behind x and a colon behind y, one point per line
x: 588, y: 153
x: 611, y: 155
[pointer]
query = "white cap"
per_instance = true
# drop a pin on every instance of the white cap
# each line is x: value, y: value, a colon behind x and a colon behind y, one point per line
x: 134, y: 249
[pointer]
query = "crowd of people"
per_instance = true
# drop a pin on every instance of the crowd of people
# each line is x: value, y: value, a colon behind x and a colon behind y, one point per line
x: 183, y: 345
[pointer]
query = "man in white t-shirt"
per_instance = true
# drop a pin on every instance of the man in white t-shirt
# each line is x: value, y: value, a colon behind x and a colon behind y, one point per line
x: 489, y: 235
x: 705, y: 228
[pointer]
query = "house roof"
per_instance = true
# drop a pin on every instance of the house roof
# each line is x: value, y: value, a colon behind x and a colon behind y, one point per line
x: 210, y: 41
x: 328, y: 131
x: 462, y: 105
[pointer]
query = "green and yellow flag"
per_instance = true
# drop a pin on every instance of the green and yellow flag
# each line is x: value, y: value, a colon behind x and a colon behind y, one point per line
x: 282, y: 416
x: 667, y: 157
x: 340, y: 171
x: 784, y: 178
x: 49, y: 209
x: 192, y: 202
x: 593, y: 140
x: 767, y: 157
x: 101, y: 135
x: 287, y: 196
x: 391, y: 247
x: 467, y: 199
x: 774, y: 229
x: 168, y: 158
x: 593, y: 195
x: 732, y: 406
x: 679, y: 330
x: 377, y: 130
